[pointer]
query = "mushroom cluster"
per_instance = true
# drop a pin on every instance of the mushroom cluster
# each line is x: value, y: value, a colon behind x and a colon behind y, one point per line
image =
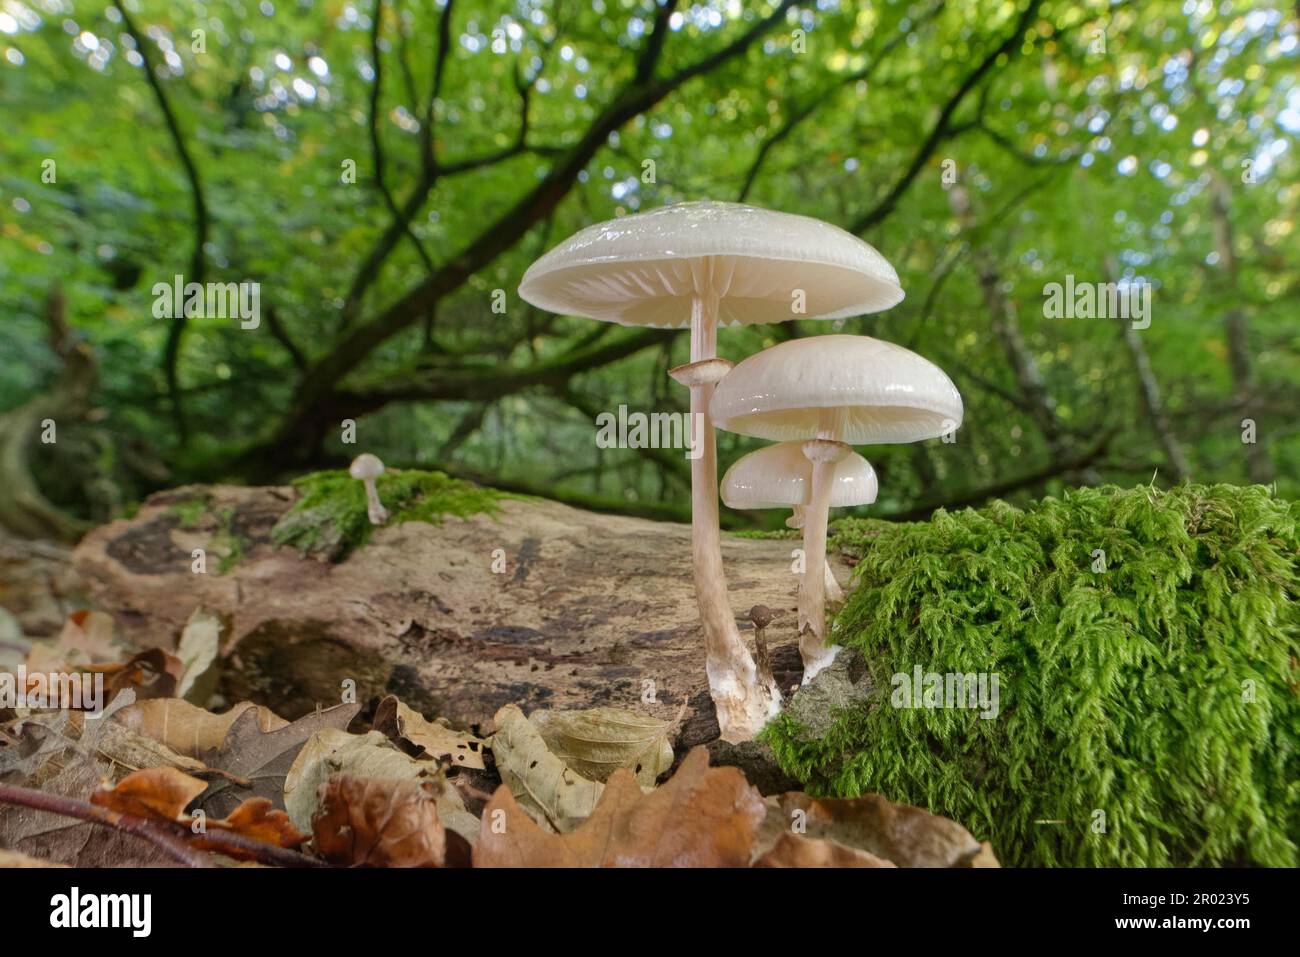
x: 832, y: 392
x: 703, y: 265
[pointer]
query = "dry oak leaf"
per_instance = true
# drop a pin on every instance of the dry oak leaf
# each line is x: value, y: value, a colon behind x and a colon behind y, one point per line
x: 539, y: 780
x: 597, y: 741
x: 702, y: 817
x: 364, y: 822
x: 906, y: 835
x: 794, y: 850
x: 400, y: 723
x: 262, y: 758
x: 153, y: 792
x: 189, y: 729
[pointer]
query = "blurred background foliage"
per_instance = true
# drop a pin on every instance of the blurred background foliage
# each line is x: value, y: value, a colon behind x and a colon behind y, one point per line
x: 986, y: 148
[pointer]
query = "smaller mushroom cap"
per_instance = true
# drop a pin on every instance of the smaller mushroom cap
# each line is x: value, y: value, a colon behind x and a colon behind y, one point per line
x: 366, y: 466
x: 878, y: 392
x: 780, y: 476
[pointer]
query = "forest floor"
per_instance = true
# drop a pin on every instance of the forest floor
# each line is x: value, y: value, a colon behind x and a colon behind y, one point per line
x: 483, y: 665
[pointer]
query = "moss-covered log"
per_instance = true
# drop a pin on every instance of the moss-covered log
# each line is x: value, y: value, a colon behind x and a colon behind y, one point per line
x: 1145, y: 645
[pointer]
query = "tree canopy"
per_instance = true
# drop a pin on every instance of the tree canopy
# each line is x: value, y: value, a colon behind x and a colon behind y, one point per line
x: 387, y: 170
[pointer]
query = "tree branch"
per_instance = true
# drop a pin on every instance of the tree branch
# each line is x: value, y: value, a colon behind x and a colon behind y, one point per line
x: 941, y: 129
x: 175, y: 333
x: 1078, y: 462
x: 500, y: 235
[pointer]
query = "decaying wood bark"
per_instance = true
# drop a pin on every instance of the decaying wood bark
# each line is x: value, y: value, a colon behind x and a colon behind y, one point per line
x: 589, y: 610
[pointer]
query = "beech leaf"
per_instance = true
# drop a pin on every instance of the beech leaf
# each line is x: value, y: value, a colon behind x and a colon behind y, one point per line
x: 538, y: 779
x: 189, y: 729
x: 598, y: 741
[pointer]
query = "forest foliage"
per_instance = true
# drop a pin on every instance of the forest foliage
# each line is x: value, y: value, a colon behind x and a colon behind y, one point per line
x: 988, y: 149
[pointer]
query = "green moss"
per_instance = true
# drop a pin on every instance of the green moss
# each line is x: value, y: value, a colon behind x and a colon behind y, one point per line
x: 1160, y: 691
x: 779, y: 534
x: 330, y: 515
x: 189, y: 512
x: 227, y: 543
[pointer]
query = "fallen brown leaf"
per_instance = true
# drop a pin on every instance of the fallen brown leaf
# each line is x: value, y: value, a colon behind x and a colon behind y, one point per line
x: 263, y: 758
x: 330, y: 752
x: 702, y: 817
x: 17, y: 859
x: 189, y: 729
x: 460, y: 749
x: 906, y: 835
x: 151, y: 674
x: 198, y: 651
x: 539, y: 780
x: 596, y: 741
x: 793, y: 850
x: 87, y: 637
x: 364, y: 822
x: 258, y: 819
x: 154, y: 792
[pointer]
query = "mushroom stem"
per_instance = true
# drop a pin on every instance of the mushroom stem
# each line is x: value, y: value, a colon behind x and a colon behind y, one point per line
x: 833, y: 590
x: 823, y: 453
x: 744, y: 702
x: 374, y: 508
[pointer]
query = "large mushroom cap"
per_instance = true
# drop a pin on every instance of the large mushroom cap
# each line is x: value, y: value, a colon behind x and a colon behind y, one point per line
x: 780, y: 476
x: 885, y: 393
x: 643, y: 269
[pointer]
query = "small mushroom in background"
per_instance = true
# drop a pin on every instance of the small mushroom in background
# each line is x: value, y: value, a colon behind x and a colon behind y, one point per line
x: 780, y: 476
x: 760, y: 616
x: 833, y: 392
x: 700, y: 266
x: 366, y: 468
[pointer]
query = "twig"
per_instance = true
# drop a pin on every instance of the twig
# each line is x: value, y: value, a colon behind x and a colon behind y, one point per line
x: 171, y: 837
x: 170, y: 844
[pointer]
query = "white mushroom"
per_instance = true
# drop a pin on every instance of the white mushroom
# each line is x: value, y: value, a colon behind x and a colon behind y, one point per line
x: 832, y: 391
x: 705, y: 265
x: 780, y: 476
x: 366, y: 468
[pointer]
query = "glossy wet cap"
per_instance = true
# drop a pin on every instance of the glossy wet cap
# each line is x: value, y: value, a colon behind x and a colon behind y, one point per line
x: 877, y: 392
x: 780, y: 476
x: 762, y: 266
